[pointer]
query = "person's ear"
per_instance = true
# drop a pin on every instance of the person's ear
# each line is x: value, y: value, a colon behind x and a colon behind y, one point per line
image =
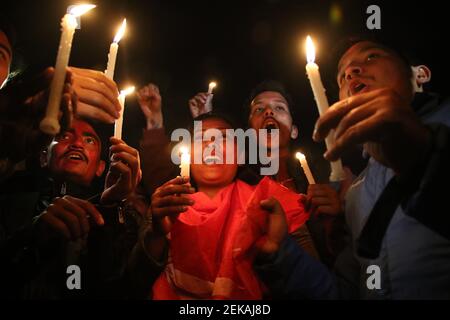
x: 100, y: 168
x: 294, y: 132
x: 421, y: 75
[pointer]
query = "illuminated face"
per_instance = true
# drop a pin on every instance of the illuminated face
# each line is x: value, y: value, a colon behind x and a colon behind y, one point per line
x: 5, y: 58
x: 208, y: 173
x: 367, y: 66
x: 74, y: 155
x: 270, y: 110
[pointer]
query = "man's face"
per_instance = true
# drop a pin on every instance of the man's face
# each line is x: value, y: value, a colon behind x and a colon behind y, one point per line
x: 270, y: 110
x: 5, y: 57
x: 367, y: 66
x: 74, y: 155
x: 208, y: 173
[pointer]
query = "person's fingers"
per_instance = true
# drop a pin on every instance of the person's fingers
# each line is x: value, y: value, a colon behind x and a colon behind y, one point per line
x: 270, y: 204
x: 79, y: 212
x: 326, y: 210
x: 90, y: 209
x: 331, y: 118
x: 56, y: 225
x: 169, y: 211
x: 174, y: 189
x: 102, y: 89
x: 200, y: 101
x: 355, y: 116
x: 361, y: 132
x: 319, y: 192
x: 120, y: 146
x: 169, y: 201
x: 178, y: 180
x: 319, y: 201
x: 122, y: 170
x: 98, y: 100
x: 91, y: 112
x: 97, y: 75
x: 308, y: 204
x: 70, y: 220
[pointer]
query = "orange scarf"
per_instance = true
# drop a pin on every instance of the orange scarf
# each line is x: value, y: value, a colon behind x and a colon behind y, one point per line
x: 211, y: 244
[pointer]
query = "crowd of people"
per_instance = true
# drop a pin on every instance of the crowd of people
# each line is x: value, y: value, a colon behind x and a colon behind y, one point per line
x: 139, y: 230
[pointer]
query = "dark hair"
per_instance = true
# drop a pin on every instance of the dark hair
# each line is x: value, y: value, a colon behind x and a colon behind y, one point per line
x: 268, y: 85
x: 215, y: 115
x: 406, y: 57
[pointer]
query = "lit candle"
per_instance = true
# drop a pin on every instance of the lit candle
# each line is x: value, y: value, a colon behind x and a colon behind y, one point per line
x: 211, y: 86
x: 312, y: 69
x: 119, y: 122
x: 301, y: 157
x: 208, y: 104
x: 112, y: 55
x: 50, y: 124
x: 185, y: 162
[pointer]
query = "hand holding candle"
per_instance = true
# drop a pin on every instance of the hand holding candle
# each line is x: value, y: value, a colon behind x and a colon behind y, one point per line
x: 301, y: 157
x: 119, y: 122
x: 112, y: 56
x: 312, y: 69
x: 50, y: 124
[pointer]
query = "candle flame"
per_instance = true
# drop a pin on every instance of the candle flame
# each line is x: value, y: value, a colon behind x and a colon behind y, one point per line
x: 127, y: 91
x: 184, y: 150
x: 81, y: 9
x: 310, y: 50
x: 212, y: 85
x: 121, y: 31
x: 300, y: 156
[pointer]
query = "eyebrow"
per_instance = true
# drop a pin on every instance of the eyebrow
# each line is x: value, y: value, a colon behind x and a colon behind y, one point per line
x: 8, y: 50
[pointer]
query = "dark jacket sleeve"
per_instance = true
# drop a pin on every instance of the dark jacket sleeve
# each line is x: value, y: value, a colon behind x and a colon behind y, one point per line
x: 291, y: 273
x: 427, y: 203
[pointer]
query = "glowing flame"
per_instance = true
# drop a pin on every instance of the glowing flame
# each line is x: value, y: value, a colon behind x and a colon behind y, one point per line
x: 310, y: 50
x: 81, y: 9
x: 212, y: 85
x: 184, y: 150
x: 121, y: 31
x: 300, y: 156
x: 127, y: 91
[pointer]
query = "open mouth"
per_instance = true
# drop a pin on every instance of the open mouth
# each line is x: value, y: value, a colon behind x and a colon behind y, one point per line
x: 75, y: 156
x: 270, y: 125
x: 357, y: 87
x: 212, y: 160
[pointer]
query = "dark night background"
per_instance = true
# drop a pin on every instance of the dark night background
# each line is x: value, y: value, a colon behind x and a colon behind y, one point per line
x: 182, y: 45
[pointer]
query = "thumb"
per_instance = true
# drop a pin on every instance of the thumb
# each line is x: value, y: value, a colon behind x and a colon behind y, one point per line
x: 270, y: 204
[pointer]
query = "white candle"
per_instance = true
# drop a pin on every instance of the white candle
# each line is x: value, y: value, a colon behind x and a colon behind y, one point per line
x: 185, y: 162
x: 50, y: 124
x: 312, y: 69
x: 119, y: 122
x: 112, y: 55
x: 301, y: 157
